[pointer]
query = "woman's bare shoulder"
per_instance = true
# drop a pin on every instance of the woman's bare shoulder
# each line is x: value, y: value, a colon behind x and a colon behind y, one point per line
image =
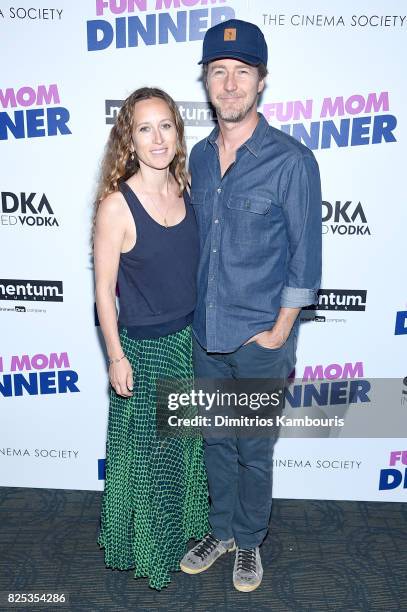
x: 112, y: 203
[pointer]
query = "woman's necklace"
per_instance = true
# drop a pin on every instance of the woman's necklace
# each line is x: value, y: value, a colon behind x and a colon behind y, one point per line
x: 158, y: 209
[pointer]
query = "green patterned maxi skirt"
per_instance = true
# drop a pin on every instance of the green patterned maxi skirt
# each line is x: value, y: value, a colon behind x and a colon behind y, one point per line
x: 156, y: 496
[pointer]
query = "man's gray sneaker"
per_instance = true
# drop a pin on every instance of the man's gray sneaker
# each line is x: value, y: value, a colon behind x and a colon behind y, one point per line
x: 248, y: 570
x: 201, y: 556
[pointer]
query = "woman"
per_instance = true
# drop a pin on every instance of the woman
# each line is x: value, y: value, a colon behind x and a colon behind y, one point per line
x: 145, y: 240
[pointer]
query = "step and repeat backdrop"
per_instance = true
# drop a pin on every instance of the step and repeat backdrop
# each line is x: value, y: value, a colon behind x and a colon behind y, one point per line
x: 337, y: 84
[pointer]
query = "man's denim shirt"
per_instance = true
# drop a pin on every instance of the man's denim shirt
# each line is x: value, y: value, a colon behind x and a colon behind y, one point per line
x: 260, y: 233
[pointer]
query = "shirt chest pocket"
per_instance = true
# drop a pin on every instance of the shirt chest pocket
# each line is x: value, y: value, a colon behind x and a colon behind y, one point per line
x: 248, y: 218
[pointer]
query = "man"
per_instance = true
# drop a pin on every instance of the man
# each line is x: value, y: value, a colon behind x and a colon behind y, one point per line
x: 257, y: 198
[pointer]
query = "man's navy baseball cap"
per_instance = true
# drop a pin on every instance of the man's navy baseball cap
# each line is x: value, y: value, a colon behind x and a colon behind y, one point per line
x: 235, y: 39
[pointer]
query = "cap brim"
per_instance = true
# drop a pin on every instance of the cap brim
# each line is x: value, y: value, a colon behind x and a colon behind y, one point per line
x: 247, y: 59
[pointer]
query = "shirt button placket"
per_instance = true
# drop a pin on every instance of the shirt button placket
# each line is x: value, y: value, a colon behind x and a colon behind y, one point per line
x: 212, y: 276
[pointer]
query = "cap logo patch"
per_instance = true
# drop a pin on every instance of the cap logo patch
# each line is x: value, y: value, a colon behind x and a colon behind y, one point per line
x: 229, y: 34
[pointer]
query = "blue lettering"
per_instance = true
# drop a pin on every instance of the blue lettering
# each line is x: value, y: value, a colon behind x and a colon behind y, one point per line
x: 93, y: 28
x: 385, y: 483
x: 198, y: 24
x: 100, y: 33
x: 331, y: 132
x: 347, y: 134
x: 286, y: 128
x: 67, y: 380
x: 358, y: 391
x: 35, y: 123
x: 30, y: 385
x: 6, y: 388
x: 101, y: 469
x: 320, y: 396
x: 328, y: 393
x: 360, y: 131
x: 166, y: 24
x: 16, y: 128
x: 121, y: 34
x: 338, y: 392
x: 383, y: 127
x: 57, y: 118
x: 47, y: 383
x: 136, y: 28
x: 310, y: 140
x: 294, y: 400
x: 401, y: 323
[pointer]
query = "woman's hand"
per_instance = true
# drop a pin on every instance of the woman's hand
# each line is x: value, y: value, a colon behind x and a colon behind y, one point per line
x: 121, y: 377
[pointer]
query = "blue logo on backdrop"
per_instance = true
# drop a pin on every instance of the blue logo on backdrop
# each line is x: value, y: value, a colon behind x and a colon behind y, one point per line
x: 401, y: 323
x: 395, y: 476
x: 157, y: 27
x: 52, y: 375
x: 39, y: 112
x: 101, y: 469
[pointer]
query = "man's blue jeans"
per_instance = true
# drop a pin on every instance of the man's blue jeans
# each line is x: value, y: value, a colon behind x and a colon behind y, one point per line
x: 239, y: 467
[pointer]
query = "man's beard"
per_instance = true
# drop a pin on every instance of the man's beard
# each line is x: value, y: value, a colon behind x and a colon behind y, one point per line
x: 234, y: 115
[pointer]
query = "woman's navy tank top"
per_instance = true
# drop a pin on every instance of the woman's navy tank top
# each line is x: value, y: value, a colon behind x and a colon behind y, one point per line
x: 157, y: 277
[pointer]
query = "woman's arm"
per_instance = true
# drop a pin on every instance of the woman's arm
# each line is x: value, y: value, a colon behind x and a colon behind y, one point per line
x: 110, y: 230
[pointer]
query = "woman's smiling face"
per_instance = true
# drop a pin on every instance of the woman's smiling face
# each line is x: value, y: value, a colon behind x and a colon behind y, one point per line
x: 154, y: 133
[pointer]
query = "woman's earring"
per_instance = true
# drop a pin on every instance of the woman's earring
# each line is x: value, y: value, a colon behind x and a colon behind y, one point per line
x: 132, y: 156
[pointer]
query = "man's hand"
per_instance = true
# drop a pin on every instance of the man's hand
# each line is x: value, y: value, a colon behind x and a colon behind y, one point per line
x: 270, y: 339
x: 275, y: 338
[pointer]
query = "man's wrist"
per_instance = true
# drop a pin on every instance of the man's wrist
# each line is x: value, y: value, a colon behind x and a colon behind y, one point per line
x: 280, y: 333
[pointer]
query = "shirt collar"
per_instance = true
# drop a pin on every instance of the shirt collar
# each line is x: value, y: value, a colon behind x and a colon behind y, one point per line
x: 212, y: 136
x: 253, y: 144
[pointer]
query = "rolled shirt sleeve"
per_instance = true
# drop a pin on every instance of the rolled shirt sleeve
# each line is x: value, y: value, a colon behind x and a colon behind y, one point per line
x: 302, y: 208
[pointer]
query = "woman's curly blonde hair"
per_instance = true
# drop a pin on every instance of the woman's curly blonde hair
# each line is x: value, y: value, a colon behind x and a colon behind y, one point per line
x: 120, y: 160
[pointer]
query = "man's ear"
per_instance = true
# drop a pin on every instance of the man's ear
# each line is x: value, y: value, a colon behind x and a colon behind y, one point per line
x: 260, y: 86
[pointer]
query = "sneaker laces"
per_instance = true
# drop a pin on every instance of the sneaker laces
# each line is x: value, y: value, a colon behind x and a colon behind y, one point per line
x: 208, y: 544
x: 246, y: 559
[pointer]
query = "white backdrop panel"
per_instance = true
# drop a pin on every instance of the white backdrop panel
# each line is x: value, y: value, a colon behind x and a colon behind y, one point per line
x: 54, y: 435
